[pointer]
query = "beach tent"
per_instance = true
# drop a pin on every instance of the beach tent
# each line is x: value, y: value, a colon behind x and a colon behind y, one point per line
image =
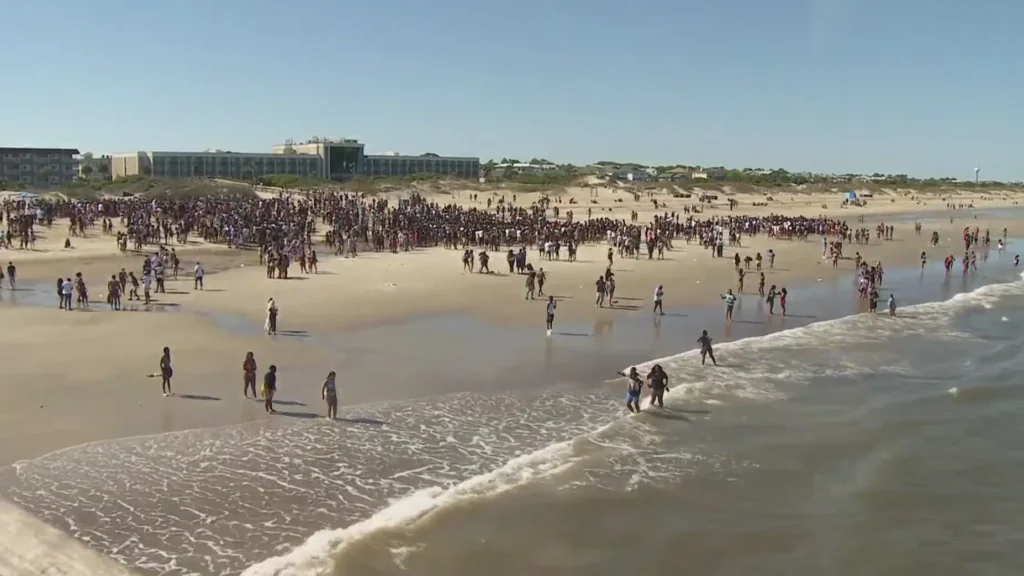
x: 851, y: 196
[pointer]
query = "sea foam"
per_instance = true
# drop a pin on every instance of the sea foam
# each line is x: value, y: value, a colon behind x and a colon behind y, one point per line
x: 314, y: 556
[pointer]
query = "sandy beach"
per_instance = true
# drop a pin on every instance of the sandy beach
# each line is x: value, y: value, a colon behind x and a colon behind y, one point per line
x: 80, y: 377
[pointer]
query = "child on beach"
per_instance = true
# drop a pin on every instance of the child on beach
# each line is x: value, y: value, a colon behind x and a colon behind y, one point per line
x: 329, y: 392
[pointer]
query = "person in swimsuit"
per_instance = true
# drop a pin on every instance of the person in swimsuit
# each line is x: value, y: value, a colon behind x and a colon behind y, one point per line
x: 705, y: 348
x: 657, y: 380
x: 329, y: 392
x: 249, y: 375
x: 269, y: 388
x: 633, y: 390
x: 166, y: 372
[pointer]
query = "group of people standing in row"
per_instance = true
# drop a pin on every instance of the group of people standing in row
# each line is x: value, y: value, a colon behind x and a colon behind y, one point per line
x: 328, y: 390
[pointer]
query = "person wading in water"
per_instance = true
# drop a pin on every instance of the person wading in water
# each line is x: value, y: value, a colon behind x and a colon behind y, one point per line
x: 705, y: 347
x: 658, y: 382
x: 633, y: 390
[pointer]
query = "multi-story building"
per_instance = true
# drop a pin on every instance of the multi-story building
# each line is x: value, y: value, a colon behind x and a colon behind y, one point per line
x: 94, y: 167
x: 340, y: 160
x: 219, y: 164
x: 344, y: 159
x: 394, y: 164
x: 337, y: 160
x: 39, y: 168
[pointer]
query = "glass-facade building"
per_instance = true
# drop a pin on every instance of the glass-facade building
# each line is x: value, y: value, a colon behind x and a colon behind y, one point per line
x: 337, y: 160
x: 393, y: 165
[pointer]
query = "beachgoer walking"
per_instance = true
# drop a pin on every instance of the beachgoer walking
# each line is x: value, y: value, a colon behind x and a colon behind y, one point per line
x: 550, y: 322
x: 659, y: 295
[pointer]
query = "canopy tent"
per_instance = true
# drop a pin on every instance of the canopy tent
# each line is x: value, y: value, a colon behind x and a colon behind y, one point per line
x: 851, y: 196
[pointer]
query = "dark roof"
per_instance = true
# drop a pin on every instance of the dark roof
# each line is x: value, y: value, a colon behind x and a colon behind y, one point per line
x: 42, y: 150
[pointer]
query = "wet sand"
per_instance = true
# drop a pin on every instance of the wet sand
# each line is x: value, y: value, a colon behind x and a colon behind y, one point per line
x: 429, y: 333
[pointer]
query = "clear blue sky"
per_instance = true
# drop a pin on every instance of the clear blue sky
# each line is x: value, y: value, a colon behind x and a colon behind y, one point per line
x: 925, y: 87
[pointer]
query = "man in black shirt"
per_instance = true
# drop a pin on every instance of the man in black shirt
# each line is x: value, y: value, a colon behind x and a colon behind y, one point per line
x: 269, y: 388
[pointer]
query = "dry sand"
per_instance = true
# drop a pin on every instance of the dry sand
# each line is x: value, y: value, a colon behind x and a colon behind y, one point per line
x: 80, y: 377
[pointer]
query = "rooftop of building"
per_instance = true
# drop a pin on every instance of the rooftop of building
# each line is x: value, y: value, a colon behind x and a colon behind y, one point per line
x: 39, y: 150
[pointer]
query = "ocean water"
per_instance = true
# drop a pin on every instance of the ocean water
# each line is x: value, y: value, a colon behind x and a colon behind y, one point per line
x: 836, y: 444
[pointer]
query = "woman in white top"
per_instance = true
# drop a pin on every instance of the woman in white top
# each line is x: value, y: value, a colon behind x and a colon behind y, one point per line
x: 271, y: 324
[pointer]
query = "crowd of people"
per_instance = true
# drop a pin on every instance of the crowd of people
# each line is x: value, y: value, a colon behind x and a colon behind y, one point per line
x: 286, y: 229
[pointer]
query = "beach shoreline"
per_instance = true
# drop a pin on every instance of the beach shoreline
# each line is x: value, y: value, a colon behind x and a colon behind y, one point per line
x: 567, y: 359
x: 355, y: 311
x: 399, y: 328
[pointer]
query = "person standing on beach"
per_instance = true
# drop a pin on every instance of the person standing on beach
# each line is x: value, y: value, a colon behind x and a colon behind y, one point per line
x: 634, y: 388
x: 659, y: 294
x: 199, y: 273
x: 892, y: 305
x: 66, y: 289
x: 730, y: 302
x: 271, y: 323
x: 166, y: 372
x: 657, y: 380
x: 329, y: 392
x: 269, y: 388
x: 705, y: 348
x: 249, y: 375
x: 552, y: 305
x: 783, y: 294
